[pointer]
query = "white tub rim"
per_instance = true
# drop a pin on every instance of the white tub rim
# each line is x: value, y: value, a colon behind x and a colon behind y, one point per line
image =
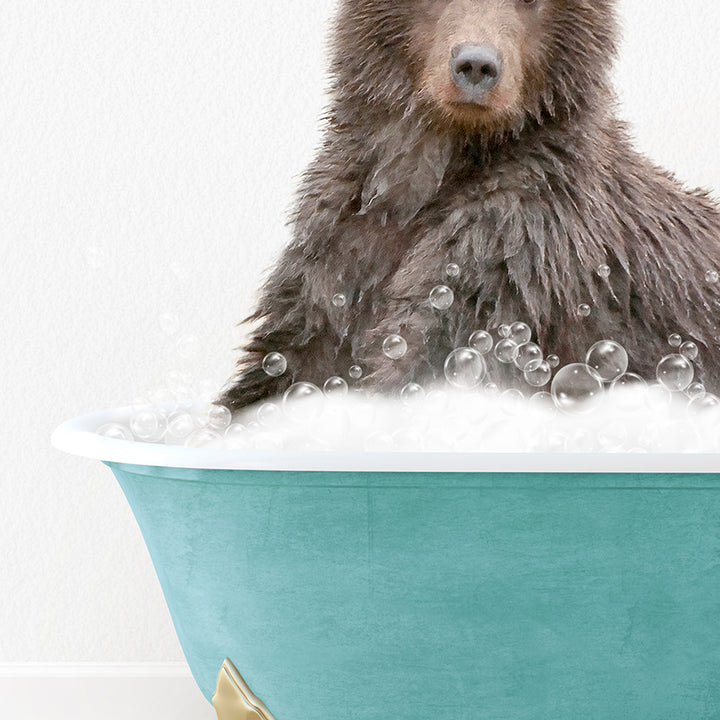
x: 78, y: 437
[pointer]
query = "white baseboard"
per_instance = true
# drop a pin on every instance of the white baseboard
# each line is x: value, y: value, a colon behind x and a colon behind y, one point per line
x: 92, y: 670
x: 94, y: 691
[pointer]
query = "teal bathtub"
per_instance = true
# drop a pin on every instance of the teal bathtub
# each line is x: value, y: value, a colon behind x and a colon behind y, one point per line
x: 421, y: 586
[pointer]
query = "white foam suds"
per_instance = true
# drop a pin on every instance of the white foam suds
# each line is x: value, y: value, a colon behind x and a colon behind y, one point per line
x: 634, y: 420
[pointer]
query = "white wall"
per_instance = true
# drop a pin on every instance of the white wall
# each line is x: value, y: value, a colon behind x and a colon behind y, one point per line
x: 149, y: 149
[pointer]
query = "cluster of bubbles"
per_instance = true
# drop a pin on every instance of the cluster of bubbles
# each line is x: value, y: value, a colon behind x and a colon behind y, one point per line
x: 179, y: 413
x: 441, y: 419
x: 621, y: 411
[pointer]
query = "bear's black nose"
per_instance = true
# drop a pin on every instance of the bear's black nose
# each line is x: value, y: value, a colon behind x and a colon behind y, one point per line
x: 475, y: 68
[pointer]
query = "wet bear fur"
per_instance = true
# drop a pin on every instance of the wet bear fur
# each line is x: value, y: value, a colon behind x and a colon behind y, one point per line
x: 529, y: 195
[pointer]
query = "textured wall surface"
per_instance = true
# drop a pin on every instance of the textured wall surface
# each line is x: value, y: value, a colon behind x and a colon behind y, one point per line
x: 149, y: 151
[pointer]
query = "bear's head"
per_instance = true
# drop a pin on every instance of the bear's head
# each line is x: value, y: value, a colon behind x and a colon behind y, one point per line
x: 476, y: 65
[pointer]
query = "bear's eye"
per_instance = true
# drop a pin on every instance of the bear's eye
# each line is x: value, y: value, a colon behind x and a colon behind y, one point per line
x: 528, y: 2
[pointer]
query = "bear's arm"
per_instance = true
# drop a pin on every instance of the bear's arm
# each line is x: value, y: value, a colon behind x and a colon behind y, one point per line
x: 295, y: 315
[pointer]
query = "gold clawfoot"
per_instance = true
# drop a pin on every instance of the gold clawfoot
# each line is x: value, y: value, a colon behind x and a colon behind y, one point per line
x: 233, y: 699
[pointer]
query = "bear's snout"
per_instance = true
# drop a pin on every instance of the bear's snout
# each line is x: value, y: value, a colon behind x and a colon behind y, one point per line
x: 474, y: 59
x: 475, y: 69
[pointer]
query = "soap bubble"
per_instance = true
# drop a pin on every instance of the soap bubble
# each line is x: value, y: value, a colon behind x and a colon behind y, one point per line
x: 504, y: 330
x: 115, y: 431
x: 675, y: 372
x: 608, y: 358
x: 268, y: 414
x: 712, y: 276
x: 302, y: 402
x: 520, y: 333
x: 657, y: 397
x: 628, y: 381
x: 482, y: 341
x: 584, y: 310
x: 695, y: 389
x: 452, y: 270
x: 675, y: 340
x: 339, y: 300
x: 441, y: 297
x: 355, y: 372
x: 335, y: 387
x: 218, y: 417
x: 394, y: 347
x: 179, y: 426
x: 412, y: 393
x: 529, y: 356
x: 147, y: 425
x: 603, y: 271
x: 703, y: 403
x: 188, y: 346
x: 576, y: 388
x: 274, y: 364
x: 624, y: 390
x: 465, y: 368
x: 169, y: 323
x: 542, y: 400
x: 553, y: 361
x: 539, y: 375
x: 205, y: 438
x: 689, y: 349
x: 236, y: 436
x: 506, y: 351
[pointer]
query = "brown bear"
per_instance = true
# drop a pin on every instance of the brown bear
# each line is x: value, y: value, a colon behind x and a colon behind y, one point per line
x: 480, y: 133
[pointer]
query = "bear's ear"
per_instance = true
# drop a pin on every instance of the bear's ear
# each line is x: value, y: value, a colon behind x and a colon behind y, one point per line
x: 409, y: 167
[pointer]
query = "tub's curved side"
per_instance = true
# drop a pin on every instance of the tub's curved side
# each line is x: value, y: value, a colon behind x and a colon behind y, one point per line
x: 411, y: 596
